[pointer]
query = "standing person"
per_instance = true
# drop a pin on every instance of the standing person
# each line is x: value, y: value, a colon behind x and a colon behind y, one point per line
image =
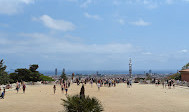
x: 62, y: 88
x: 91, y: 83
x: 54, y: 88
x: 128, y: 85
x: 24, y: 88
x: 66, y: 89
x: 68, y: 83
x: 98, y: 86
x: 156, y: 82
x: 3, y: 94
x: 163, y: 84
x: 17, y: 88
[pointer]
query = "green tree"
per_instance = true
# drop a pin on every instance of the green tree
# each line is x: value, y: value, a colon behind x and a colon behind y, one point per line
x: 4, y: 77
x: 21, y: 74
x: 185, y: 66
x: 33, y: 67
x: 46, y: 78
x: 176, y: 76
x: 63, y: 75
x: 24, y: 74
x: 80, y: 103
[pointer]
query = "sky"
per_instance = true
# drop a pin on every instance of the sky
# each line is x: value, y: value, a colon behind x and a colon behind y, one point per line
x: 94, y: 34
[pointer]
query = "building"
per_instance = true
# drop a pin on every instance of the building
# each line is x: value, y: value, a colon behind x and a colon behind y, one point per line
x: 184, y: 75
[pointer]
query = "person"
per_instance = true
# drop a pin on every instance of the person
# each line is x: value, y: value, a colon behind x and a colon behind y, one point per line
x: 156, y: 82
x: 54, y: 87
x: 91, y: 83
x: 3, y: 94
x: 17, y: 88
x: 66, y: 89
x: 163, y: 84
x: 128, y: 85
x: 98, y: 86
x: 24, y: 88
x: 62, y: 88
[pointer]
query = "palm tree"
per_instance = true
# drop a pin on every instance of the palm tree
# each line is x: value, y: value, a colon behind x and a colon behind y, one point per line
x: 82, y: 103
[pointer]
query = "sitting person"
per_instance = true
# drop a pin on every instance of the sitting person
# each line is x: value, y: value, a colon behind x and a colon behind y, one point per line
x: 3, y: 94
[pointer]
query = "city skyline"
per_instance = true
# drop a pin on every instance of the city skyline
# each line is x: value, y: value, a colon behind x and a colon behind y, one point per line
x: 94, y: 35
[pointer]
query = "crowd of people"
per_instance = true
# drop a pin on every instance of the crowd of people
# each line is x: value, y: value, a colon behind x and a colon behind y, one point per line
x: 100, y: 82
x: 104, y: 82
x: 64, y: 84
x: 18, y: 87
x: 165, y: 83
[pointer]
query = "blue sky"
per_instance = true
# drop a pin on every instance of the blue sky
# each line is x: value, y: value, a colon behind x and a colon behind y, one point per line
x: 94, y: 34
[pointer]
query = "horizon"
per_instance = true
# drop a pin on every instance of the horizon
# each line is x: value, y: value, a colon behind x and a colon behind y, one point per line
x: 94, y: 35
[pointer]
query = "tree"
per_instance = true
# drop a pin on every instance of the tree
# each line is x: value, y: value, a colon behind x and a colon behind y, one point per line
x: 33, y: 67
x: 21, y: 74
x: 79, y: 103
x: 176, y: 76
x: 63, y: 75
x: 46, y: 78
x: 185, y: 66
x: 4, y: 77
x: 24, y: 74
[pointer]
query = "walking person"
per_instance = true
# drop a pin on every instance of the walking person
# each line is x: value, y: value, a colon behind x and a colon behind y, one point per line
x: 62, y: 88
x: 66, y: 89
x: 54, y: 88
x: 24, y: 88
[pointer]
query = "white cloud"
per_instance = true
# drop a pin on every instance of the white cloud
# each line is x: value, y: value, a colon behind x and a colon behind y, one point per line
x: 13, y: 6
x: 121, y: 21
x: 55, y: 24
x: 86, y: 3
x: 140, y: 22
x: 41, y: 43
x: 147, y: 53
x: 184, y: 51
x: 97, y: 17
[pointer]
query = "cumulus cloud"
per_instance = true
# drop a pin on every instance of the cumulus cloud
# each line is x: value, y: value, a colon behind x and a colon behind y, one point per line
x: 13, y: 6
x: 96, y: 17
x: 55, y: 24
x: 141, y: 22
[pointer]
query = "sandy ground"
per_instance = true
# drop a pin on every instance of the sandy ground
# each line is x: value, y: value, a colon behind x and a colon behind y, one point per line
x: 139, y: 98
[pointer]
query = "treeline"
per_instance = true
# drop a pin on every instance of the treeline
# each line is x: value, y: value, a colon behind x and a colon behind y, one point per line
x: 22, y: 74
